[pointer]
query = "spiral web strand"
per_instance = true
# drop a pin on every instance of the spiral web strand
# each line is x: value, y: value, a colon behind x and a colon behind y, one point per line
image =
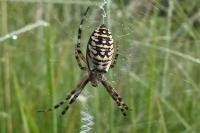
x: 87, y: 122
x: 86, y: 117
x: 104, y: 12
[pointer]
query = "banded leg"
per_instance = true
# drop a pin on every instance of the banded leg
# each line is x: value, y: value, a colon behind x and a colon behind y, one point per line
x: 115, y: 96
x: 78, y: 53
x: 72, y: 100
x: 115, y: 57
x: 70, y: 97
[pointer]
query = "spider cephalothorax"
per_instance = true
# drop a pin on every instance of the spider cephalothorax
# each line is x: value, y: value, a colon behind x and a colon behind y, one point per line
x: 95, y: 77
x: 99, y: 58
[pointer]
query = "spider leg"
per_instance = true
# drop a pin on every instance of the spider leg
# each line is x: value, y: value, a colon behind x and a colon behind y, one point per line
x: 78, y: 53
x: 115, y: 96
x: 70, y: 97
x: 73, y: 99
x: 115, y: 57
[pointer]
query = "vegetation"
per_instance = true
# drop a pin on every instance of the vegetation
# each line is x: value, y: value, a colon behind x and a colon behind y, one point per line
x: 157, y: 72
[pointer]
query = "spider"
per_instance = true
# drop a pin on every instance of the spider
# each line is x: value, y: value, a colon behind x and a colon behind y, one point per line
x: 99, y: 58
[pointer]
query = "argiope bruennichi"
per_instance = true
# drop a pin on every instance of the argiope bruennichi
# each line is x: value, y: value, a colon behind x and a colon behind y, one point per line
x: 99, y: 58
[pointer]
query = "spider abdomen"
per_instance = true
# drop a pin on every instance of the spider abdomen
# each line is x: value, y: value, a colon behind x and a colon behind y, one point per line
x: 100, y: 50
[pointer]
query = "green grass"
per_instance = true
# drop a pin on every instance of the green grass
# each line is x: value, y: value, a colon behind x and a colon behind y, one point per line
x: 157, y: 72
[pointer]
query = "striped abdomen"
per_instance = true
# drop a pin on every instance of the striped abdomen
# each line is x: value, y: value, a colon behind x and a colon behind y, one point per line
x: 100, y: 50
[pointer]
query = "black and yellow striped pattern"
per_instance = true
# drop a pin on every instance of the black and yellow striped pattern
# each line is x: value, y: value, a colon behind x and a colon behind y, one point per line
x: 100, y: 50
x: 99, y: 58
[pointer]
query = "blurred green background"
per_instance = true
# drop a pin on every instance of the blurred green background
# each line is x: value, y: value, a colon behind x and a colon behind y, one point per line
x: 157, y: 73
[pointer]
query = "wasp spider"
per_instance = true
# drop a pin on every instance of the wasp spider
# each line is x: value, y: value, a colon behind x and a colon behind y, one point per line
x: 99, y: 58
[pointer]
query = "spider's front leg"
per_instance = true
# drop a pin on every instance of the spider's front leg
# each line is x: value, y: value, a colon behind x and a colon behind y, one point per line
x: 115, y: 96
x: 77, y: 92
x: 71, y: 97
x: 78, y: 53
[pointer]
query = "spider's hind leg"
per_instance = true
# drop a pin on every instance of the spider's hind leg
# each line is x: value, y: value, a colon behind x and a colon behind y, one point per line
x: 80, y: 57
x: 78, y: 53
x: 115, y: 57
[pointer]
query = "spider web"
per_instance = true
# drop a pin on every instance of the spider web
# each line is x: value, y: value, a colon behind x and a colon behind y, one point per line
x: 129, y: 32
